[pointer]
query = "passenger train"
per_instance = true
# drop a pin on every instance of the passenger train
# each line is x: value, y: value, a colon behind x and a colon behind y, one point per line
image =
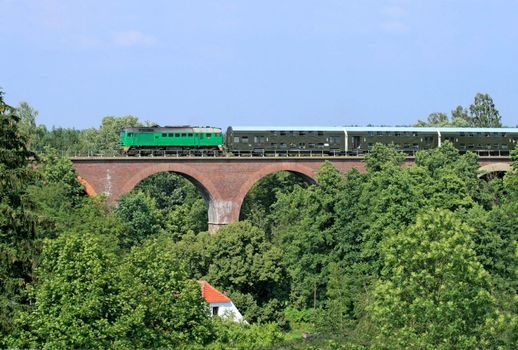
x: 311, y: 140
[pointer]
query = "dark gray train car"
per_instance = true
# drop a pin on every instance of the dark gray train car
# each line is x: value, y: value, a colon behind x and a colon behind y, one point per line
x: 362, y: 139
x: 359, y: 140
x: 260, y: 140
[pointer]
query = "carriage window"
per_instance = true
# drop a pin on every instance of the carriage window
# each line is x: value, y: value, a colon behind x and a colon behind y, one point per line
x: 320, y: 133
x: 274, y: 145
x: 184, y: 135
x: 164, y: 135
x: 283, y: 133
x: 130, y: 134
x: 176, y: 135
x: 302, y: 133
x: 256, y: 139
x: 283, y: 145
x: 190, y: 135
x: 208, y: 135
x: 170, y: 135
x: 236, y: 139
x: 244, y: 139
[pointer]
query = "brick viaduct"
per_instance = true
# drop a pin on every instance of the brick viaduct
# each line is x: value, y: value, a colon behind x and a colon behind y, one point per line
x: 223, y: 182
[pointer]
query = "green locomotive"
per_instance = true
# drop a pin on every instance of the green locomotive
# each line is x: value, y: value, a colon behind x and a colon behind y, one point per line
x: 151, y: 140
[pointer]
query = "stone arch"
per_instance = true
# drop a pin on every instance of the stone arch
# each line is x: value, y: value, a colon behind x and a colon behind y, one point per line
x: 89, y: 189
x: 305, y: 172
x: 494, y: 168
x: 208, y: 191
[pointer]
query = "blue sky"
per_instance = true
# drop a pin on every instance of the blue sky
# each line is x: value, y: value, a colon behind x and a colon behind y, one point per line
x: 283, y: 62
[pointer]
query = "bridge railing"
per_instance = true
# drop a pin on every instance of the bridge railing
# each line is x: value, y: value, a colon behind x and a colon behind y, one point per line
x: 249, y: 154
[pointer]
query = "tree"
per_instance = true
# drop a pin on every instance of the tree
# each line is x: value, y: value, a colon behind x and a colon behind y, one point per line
x: 161, y: 307
x: 140, y: 217
x: 438, y: 119
x: 460, y: 117
x: 75, y: 299
x: 484, y: 113
x: 106, y: 138
x: 258, y: 202
x: 433, y: 293
x: 17, y: 233
x: 27, y: 116
x: 244, y: 263
x: 381, y: 155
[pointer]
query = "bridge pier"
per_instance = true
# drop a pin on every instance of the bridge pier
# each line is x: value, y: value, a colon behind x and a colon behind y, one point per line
x: 222, y: 212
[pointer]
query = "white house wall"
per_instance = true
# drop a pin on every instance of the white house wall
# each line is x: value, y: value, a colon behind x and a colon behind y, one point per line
x: 227, y: 310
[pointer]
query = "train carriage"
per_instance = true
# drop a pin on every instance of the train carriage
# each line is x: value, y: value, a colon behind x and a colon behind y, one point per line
x: 359, y: 140
x: 267, y: 140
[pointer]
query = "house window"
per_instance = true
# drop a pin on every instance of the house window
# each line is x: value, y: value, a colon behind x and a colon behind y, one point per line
x: 215, y: 310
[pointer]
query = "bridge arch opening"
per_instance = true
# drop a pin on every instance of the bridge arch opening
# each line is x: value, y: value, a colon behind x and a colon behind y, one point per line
x: 495, y: 170
x: 256, y: 205
x: 185, y: 198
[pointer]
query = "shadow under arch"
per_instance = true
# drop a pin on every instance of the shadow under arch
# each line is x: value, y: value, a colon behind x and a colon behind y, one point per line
x: 305, y: 173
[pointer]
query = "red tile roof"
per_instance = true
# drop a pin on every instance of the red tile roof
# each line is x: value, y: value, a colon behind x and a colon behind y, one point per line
x: 211, y: 294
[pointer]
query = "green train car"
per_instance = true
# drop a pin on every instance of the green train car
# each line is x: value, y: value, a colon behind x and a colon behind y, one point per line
x: 150, y: 140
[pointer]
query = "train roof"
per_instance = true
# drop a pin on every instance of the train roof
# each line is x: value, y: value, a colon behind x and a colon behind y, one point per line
x: 185, y: 128
x: 374, y: 129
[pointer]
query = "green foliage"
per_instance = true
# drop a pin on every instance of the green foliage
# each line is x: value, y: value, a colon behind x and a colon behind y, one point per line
x: 75, y: 299
x: 17, y: 235
x: 140, y: 217
x: 483, y: 112
x: 57, y: 169
x: 105, y: 139
x: 433, y: 292
x: 181, y: 206
x: 160, y: 306
x: 381, y: 156
x: 247, y: 266
x: 257, y: 205
x: 231, y: 335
